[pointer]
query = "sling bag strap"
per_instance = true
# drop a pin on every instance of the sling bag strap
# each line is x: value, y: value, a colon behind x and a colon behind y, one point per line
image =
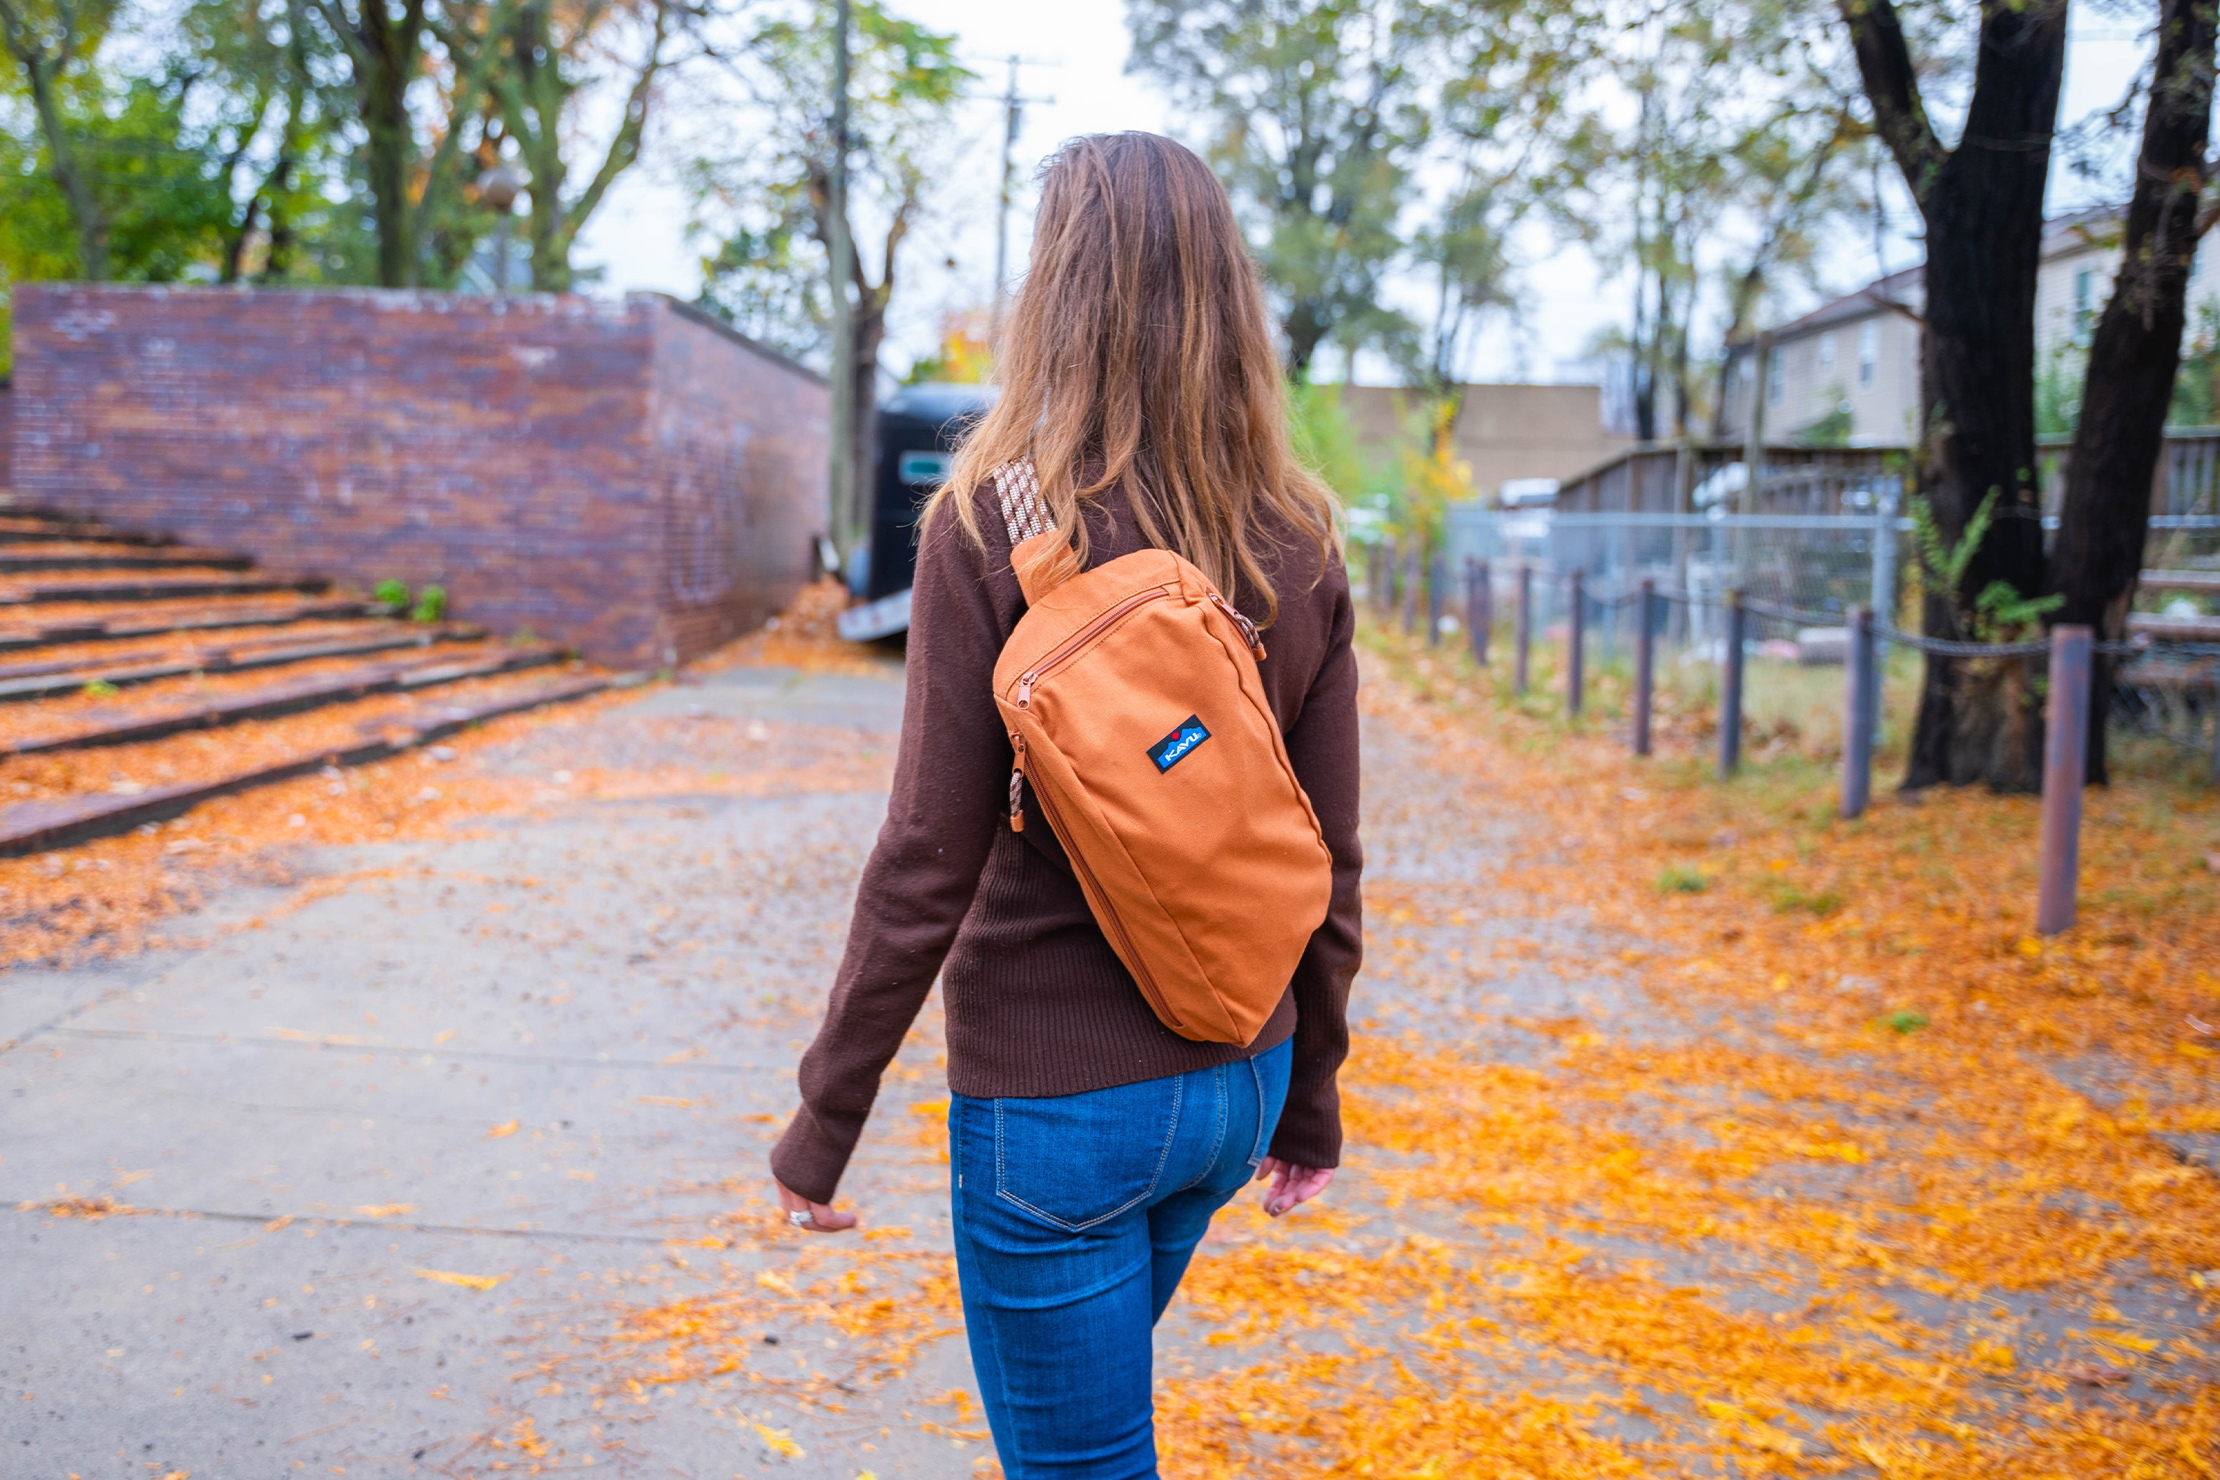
x: 1042, y: 557
x: 1024, y: 513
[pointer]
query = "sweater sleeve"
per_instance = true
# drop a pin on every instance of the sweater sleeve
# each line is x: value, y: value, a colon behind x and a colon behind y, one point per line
x: 951, y: 778
x: 1322, y: 746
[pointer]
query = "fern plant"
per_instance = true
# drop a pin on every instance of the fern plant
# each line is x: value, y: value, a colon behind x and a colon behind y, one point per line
x: 2000, y: 612
x: 1945, y: 563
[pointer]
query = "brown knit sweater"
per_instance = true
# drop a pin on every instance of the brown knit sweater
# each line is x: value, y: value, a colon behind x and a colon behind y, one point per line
x: 1037, y: 1002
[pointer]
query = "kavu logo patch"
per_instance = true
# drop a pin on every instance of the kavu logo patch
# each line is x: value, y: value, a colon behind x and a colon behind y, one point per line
x: 1169, y: 751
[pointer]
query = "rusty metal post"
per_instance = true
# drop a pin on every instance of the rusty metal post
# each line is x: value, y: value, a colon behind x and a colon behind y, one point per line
x: 1860, y: 702
x: 2065, y: 770
x: 1524, y: 664
x: 1730, y: 690
x: 1645, y: 658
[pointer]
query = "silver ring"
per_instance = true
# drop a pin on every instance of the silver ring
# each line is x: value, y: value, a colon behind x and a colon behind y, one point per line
x: 802, y: 1218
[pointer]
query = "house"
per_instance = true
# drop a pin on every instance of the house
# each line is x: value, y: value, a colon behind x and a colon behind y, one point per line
x: 1507, y: 433
x: 1847, y: 372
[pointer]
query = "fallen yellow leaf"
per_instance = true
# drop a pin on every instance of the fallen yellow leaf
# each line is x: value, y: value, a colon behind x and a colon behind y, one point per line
x: 781, y: 1442
x: 505, y: 1128
x: 467, y: 1281
x: 385, y: 1210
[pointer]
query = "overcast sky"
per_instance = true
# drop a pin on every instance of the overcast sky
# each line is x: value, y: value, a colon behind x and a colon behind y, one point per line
x: 1073, y: 55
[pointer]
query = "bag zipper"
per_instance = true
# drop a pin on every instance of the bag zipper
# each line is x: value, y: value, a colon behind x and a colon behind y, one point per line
x: 1017, y: 783
x: 1132, y: 957
x: 1069, y: 648
x: 1247, y: 627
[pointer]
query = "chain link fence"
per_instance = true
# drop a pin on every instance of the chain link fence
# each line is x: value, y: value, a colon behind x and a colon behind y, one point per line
x: 1799, y: 577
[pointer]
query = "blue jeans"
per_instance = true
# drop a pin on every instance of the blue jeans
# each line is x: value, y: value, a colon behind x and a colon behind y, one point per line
x: 1075, y: 1218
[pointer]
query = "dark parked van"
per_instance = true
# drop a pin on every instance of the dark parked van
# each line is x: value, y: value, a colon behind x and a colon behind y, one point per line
x: 919, y: 426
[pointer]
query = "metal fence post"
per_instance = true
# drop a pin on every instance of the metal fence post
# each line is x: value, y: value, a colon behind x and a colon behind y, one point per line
x: 1413, y: 564
x: 1478, y: 616
x: 1858, y: 706
x: 1576, y: 630
x: 2216, y: 729
x: 1884, y: 558
x: 1645, y: 650
x: 1730, y: 690
x: 1523, y: 664
x: 2065, y: 769
x: 1437, y: 595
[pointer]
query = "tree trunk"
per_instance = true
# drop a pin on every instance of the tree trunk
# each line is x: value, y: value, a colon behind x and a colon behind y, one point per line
x: 1982, y: 204
x: 2098, y: 554
x: 1305, y: 329
x: 385, y: 65
x: 85, y: 213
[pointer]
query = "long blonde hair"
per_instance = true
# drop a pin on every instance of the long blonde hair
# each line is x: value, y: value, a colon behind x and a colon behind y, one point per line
x: 1138, y: 353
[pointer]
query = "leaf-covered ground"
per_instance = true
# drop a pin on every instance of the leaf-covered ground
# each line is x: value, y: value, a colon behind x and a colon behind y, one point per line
x: 1691, y: 1130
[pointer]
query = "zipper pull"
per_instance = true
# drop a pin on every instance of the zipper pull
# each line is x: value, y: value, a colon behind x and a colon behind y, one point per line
x: 1017, y: 785
x: 1025, y: 694
x: 1248, y: 628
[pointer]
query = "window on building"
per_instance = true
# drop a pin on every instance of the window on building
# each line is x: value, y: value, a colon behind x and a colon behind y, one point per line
x: 1827, y: 353
x: 1776, y: 375
x: 2085, y: 312
x: 1869, y: 350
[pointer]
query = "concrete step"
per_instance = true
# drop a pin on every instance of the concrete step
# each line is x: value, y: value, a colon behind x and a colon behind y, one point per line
x: 283, y: 698
x: 133, y: 621
x: 46, y: 680
x: 31, y: 827
x: 16, y: 529
x: 162, y: 590
x: 56, y: 557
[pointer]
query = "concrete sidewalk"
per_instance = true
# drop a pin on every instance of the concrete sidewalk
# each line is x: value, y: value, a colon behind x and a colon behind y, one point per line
x: 528, y: 1056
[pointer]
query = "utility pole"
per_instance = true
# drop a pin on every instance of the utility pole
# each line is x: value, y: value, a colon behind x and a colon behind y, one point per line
x: 841, y: 492
x: 1013, y: 106
x: 1011, y: 103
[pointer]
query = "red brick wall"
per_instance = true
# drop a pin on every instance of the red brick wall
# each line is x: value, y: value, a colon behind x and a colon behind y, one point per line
x: 624, y: 477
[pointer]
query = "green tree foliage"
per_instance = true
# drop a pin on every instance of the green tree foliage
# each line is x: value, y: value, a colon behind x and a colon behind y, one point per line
x: 1316, y: 119
x: 141, y: 178
x: 551, y: 54
x: 1735, y: 159
x: 762, y: 183
x: 1500, y: 83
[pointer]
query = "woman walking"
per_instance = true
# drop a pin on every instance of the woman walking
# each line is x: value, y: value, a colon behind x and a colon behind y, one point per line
x: 1093, y: 1128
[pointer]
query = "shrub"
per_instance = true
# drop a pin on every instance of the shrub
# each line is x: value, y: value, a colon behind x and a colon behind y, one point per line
x: 431, y: 605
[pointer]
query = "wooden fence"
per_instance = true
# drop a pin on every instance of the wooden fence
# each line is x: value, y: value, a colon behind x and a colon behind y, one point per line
x: 1683, y: 477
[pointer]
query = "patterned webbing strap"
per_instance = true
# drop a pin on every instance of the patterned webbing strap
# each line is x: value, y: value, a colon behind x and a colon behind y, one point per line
x: 1024, y: 513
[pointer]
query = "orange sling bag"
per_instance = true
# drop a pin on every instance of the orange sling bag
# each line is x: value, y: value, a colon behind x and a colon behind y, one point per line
x: 1133, y: 702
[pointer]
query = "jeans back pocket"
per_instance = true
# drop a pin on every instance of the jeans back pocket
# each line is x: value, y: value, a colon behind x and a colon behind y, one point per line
x: 1077, y: 1160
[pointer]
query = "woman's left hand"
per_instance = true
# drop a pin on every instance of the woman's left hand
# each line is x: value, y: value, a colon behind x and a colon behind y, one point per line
x: 1292, y: 1186
x: 822, y: 1219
